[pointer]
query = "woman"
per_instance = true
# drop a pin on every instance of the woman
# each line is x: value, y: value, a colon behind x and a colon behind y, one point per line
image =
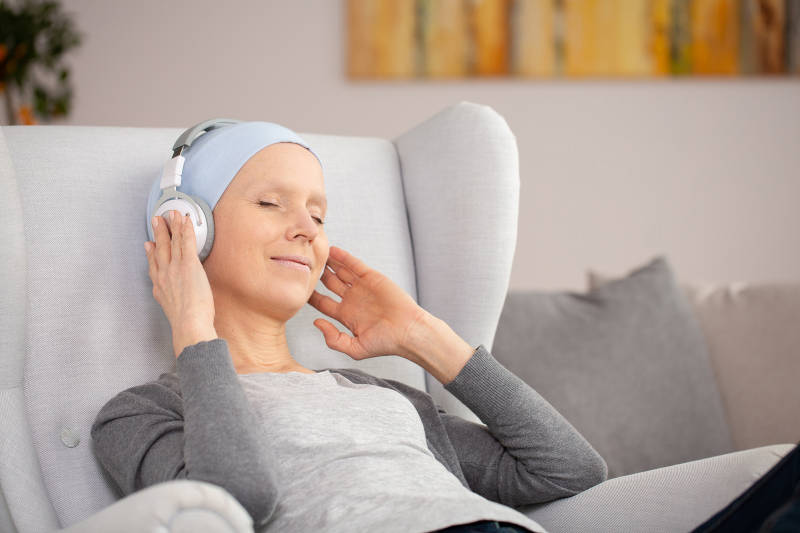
x: 332, y: 449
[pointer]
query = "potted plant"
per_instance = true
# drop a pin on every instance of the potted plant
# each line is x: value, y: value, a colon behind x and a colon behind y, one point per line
x: 35, y: 34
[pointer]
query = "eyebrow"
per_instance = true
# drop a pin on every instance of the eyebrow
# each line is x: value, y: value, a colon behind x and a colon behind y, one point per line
x: 315, y: 197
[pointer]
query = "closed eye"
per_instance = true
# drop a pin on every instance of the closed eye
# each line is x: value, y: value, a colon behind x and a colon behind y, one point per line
x: 319, y: 220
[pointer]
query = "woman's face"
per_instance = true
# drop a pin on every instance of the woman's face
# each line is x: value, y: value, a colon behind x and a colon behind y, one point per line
x: 249, y: 232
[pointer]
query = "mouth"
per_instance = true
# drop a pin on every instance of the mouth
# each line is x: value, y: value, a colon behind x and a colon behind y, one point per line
x: 295, y: 262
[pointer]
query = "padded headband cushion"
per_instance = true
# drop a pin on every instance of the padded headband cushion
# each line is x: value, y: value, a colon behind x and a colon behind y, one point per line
x: 214, y: 158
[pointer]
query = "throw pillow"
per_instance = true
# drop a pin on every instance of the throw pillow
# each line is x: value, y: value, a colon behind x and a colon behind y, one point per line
x: 754, y: 344
x: 625, y: 363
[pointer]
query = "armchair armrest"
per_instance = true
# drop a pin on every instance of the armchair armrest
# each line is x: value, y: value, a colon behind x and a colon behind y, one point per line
x: 172, y: 506
x: 667, y: 499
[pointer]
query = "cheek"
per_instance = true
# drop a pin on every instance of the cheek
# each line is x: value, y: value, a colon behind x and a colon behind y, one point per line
x: 324, y: 247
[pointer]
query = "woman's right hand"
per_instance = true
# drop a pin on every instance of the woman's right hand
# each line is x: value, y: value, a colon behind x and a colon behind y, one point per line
x: 180, y: 283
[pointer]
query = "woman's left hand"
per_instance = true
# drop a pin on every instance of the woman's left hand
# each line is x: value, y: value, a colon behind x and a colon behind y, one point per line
x: 378, y: 312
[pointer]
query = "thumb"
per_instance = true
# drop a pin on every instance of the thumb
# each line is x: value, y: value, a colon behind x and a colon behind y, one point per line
x: 329, y: 331
x: 334, y: 338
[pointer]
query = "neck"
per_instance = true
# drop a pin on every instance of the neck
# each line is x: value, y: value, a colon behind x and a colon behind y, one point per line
x: 257, y: 346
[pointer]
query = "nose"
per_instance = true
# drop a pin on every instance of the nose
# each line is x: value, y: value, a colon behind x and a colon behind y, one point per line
x: 305, y: 225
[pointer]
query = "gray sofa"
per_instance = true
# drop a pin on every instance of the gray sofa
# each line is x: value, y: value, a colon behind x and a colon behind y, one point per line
x: 80, y: 324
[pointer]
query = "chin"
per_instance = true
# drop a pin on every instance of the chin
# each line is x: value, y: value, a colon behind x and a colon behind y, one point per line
x: 289, y: 301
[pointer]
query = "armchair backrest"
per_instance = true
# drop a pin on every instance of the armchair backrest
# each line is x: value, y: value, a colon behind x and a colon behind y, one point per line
x: 434, y: 209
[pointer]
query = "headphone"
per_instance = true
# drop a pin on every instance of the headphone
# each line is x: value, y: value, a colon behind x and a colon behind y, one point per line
x: 172, y: 199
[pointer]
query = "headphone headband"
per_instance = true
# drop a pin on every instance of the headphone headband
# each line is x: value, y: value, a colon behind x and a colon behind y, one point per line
x: 187, y: 137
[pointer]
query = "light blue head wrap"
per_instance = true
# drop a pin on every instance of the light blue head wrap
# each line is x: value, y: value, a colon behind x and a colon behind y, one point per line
x: 215, y: 157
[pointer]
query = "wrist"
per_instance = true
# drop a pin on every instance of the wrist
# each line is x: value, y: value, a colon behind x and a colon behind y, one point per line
x: 189, y: 336
x: 417, y: 335
x: 432, y: 344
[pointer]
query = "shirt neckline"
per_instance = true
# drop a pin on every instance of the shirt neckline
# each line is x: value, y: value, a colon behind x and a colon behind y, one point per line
x: 294, y: 372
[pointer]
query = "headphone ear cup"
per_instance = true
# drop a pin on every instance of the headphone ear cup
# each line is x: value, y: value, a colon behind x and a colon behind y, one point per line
x: 204, y: 236
x: 203, y: 251
x: 162, y: 209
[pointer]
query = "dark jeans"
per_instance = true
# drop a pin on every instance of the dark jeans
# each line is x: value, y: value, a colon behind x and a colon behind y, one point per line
x: 484, y: 526
x: 770, y: 505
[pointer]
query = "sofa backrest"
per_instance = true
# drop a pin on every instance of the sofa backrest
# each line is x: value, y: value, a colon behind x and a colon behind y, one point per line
x: 79, y: 320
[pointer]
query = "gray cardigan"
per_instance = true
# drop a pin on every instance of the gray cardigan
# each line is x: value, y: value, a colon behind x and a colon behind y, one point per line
x: 196, y: 423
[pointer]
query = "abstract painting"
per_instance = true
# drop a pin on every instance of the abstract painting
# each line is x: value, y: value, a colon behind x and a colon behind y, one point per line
x: 401, y: 39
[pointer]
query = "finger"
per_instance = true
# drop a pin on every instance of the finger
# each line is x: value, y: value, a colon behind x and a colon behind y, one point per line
x: 324, y: 304
x: 162, y: 252
x: 330, y: 280
x: 354, y: 264
x: 189, y: 239
x: 151, y: 262
x: 341, y: 271
x: 336, y: 339
x: 176, y: 223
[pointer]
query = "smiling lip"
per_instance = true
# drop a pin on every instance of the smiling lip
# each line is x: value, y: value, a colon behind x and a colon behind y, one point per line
x: 291, y: 262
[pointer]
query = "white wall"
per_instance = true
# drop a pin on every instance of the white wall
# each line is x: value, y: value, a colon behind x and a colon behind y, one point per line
x: 613, y: 172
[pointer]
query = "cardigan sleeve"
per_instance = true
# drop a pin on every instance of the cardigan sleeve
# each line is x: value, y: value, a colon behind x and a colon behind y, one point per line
x: 204, y: 429
x: 527, y: 452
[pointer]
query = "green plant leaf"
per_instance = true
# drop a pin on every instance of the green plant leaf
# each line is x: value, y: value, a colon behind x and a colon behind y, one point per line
x: 37, y: 33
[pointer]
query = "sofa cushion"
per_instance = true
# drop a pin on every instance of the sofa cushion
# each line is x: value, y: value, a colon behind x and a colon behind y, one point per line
x: 754, y: 345
x: 625, y: 363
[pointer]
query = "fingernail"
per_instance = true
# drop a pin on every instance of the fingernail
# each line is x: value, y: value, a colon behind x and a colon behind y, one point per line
x: 146, y: 248
x: 155, y: 221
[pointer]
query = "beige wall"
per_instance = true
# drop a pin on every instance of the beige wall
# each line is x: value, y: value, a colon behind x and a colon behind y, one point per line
x: 706, y: 172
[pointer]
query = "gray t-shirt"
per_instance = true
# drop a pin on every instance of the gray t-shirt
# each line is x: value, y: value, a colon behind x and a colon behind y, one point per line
x: 353, y: 457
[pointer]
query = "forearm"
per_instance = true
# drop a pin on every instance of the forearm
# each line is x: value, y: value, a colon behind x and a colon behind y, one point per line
x: 433, y: 345
x: 557, y: 459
